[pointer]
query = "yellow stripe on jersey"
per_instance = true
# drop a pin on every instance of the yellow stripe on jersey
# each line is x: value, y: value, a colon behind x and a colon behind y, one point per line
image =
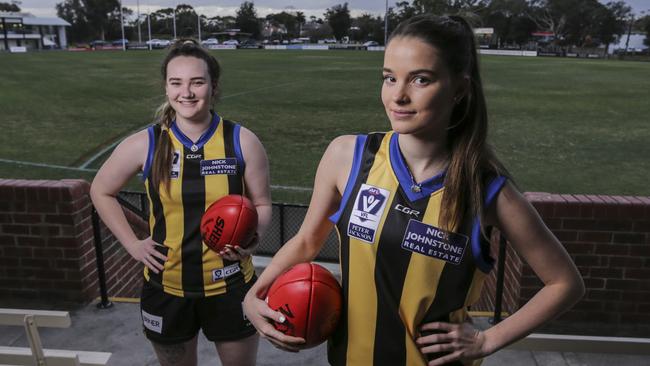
x: 362, y: 320
x: 418, y: 296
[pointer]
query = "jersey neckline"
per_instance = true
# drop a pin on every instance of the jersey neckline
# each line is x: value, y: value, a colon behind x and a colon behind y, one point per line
x: 404, y: 177
x: 187, y: 142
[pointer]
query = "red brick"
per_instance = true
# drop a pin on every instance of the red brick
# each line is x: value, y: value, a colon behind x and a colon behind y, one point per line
x: 595, y: 283
x: 643, y: 226
x: 640, y: 250
x: 551, y: 223
x: 40, y: 207
x: 67, y: 263
x: 32, y: 241
x: 59, y: 219
x: 595, y: 236
x: 579, y: 248
x: 620, y: 307
x: 15, y: 229
x: 545, y: 209
x: 37, y: 263
x: 6, y: 262
x: 566, y: 235
x: 606, y: 272
x: 613, y: 225
x: 44, y: 230
x: 62, y: 242
x: 643, y: 308
x: 17, y: 252
x: 613, y: 249
x: 48, y: 253
x: 629, y: 262
x: 580, y: 224
x: 625, y: 285
x: 632, y: 211
x: 603, y: 295
x: 19, y: 207
x: 636, y: 296
x: 589, y: 305
x: 567, y: 210
x: 637, y: 273
x: 7, y: 240
x: 6, y: 218
x: 587, y: 260
x: 630, y: 238
x: 635, y: 318
x: 27, y: 218
x: 594, y: 198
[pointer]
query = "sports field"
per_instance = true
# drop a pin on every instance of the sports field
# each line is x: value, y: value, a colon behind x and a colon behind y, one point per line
x: 560, y: 125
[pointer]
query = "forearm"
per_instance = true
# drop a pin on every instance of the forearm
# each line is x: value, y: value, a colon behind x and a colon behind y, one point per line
x: 548, y: 303
x: 264, y: 212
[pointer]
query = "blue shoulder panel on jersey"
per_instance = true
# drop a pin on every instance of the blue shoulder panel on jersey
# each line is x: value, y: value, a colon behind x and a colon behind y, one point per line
x: 483, y: 260
x: 405, y: 178
x: 149, y: 161
x: 237, y: 144
x: 203, y: 139
x: 352, y: 178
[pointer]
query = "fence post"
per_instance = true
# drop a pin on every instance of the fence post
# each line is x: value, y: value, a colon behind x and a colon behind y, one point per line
x: 99, y: 254
x: 501, y: 267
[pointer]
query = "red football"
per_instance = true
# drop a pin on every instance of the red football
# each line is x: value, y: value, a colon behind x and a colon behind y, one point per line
x: 230, y: 220
x: 310, y: 298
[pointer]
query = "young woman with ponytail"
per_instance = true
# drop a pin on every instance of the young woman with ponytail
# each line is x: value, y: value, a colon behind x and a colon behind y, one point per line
x: 187, y: 286
x: 413, y: 208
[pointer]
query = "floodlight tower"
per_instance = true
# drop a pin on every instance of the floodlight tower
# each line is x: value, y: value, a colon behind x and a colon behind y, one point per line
x: 138, y: 20
x: 122, y: 24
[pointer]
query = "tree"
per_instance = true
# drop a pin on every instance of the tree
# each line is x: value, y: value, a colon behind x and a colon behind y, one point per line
x: 11, y: 7
x: 369, y: 28
x: 289, y: 21
x: 610, y: 21
x: 246, y: 19
x: 338, y: 17
x: 300, y: 18
x: 89, y: 18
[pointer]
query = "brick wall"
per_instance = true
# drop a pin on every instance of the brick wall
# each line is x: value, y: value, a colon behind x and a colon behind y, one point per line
x: 47, y: 251
x: 47, y: 246
x: 608, y: 237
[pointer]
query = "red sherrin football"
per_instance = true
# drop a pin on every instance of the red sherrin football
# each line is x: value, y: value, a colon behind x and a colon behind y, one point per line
x: 230, y: 220
x: 310, y: 298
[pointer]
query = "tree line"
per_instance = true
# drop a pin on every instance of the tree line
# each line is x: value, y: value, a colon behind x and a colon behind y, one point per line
x: 582, y: 23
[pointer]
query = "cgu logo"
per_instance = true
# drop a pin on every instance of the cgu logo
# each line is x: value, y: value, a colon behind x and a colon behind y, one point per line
x: 193, y: 156
x: 407, y: 210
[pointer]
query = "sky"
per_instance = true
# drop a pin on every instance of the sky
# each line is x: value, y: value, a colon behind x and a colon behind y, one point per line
x: 45, y: 8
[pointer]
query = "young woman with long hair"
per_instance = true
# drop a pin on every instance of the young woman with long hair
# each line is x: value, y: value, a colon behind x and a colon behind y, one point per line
x: 413, y: 208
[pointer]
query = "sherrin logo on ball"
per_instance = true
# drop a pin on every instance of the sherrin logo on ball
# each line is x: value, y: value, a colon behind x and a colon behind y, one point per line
x: 230, y: 220
x: 310, y: 299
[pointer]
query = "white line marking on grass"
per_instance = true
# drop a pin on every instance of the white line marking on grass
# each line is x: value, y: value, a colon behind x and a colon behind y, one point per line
x: 43, y: 165
x: 92, y: 159
x: 292, y: 188
x: 54, y: 166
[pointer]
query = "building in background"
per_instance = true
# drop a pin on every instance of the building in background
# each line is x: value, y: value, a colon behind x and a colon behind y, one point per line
x: 27, y: 32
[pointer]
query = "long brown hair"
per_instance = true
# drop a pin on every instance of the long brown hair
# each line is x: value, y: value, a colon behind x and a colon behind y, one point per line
x: 472, y: 160
x: 165, y: 114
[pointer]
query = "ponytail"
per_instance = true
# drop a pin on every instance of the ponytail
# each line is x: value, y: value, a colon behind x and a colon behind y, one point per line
x: 160, y: 170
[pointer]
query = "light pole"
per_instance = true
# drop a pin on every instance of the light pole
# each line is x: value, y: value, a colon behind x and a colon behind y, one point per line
x: 386, y: 24
x: 149, y: 29
x: 174, y: 21
x: 122, y: 25
x: 138, y: 20
x: 198, y: 17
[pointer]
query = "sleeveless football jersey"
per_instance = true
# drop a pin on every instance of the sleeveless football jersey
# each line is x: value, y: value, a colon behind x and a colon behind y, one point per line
x: 400, y: 269
x: 201, y: 173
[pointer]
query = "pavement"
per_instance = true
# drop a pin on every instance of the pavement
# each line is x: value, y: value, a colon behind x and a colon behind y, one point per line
x: 118, y: 330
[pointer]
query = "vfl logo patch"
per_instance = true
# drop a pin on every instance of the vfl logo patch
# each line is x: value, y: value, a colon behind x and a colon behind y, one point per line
x: 434, y: 242
x: 152, y: 322
x: 176, y: 165
x: 367, y: 212
x: 221, y: 273
x: 226, y: 166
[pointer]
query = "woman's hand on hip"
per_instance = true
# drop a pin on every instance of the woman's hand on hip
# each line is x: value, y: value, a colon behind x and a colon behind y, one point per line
x: 145, y: 251
x: 460, y: 342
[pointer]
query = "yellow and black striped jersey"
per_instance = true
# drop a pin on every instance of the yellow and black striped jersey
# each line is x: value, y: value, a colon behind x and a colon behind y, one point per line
x: 201, y: 173
x: 399, y: 268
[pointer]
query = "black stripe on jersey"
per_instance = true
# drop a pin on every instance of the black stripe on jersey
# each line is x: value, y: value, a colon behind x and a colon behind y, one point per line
x: 159, y: 231
x: 337, y: 347
x: 235, y: 186
x: 391, y: 266
x: 193, y: 193
x: 452, y: 291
